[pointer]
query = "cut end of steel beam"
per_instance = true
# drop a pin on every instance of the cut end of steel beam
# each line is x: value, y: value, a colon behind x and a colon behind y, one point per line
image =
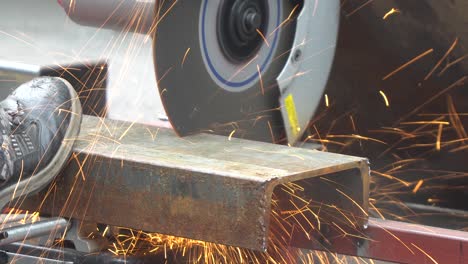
x: 205, y: 187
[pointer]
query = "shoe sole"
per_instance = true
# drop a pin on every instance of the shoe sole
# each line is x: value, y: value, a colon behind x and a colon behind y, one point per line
x: 40, y: 180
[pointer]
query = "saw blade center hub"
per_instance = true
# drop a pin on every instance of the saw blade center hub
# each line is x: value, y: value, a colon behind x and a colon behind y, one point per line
x: 240, y: 24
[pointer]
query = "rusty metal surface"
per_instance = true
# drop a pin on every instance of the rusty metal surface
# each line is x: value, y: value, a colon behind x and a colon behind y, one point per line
x: 410, y: 243
x: 402, y: 242
x: 204, y: 187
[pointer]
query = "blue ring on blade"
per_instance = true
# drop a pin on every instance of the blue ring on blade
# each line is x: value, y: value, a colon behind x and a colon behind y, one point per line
x: 262, y: 68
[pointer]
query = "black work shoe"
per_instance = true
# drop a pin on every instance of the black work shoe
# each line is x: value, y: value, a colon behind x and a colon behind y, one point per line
x: 38, y: 123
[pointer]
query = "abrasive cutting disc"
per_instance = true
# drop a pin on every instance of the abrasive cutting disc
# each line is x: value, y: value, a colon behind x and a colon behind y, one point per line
x: 217, y: 62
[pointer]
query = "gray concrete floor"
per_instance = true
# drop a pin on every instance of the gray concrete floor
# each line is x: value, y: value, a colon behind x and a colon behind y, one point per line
x: 39, y: 32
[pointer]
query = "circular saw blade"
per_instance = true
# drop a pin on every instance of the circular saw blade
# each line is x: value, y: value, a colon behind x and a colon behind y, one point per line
x: 202, y: 87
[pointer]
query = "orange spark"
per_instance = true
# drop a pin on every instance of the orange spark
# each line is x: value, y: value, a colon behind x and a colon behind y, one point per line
x: 391, y: 12
x: 359, y: 8
x: 352, y: 123
x: 387, y: 103
x: 439, y: 136
x: 326, y: 141
x: 327, y: 102
x: 426, y: 123
x: 263, y: 37
x: 230, y: 135
x: 433, y: 200
x: 425, y: 253
x: 457, y: 83
x: 19, y: 179
x: 261, y: 80
x: 452, y: 63
x: 153, y: 136
x: 126, y: 131
x: 377, y: 210
x: 402, y: 67
x: 455, y: 119
x: 274, y: 152
x: 394, y: 236
x: 388, y: 176
x: 418, y: 186
x: 353, y: 136
x: 185, y: 57
x: 271, y: 132
x: 241, y: 69
x: 80, y: 165
x: 442, y: 59
x: 105, y: 231
x: 353, y: 201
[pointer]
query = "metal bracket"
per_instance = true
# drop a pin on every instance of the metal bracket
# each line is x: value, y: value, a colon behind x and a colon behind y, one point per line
x: 78, y: 234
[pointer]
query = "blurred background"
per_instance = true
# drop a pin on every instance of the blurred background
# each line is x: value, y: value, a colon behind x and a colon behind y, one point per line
x: 40, y: 33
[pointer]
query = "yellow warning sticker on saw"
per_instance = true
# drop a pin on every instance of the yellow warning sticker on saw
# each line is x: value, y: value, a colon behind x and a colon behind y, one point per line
x: 292, y: 114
